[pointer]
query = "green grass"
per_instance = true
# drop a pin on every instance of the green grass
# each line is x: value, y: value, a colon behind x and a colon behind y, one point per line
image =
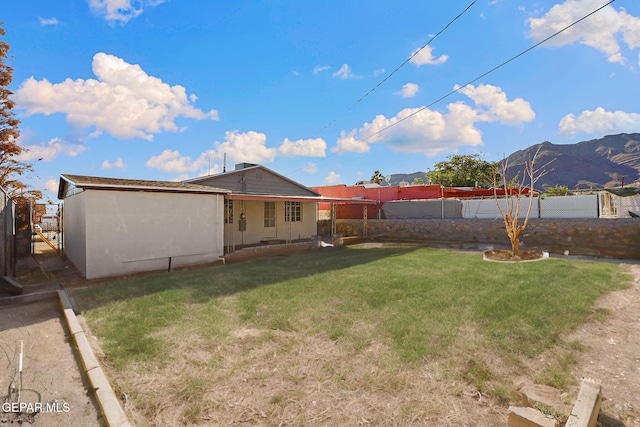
x: 416, y: 301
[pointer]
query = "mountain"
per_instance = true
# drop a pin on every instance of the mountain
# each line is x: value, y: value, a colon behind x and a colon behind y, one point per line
x: 596, y: 163
x: 396, y: 178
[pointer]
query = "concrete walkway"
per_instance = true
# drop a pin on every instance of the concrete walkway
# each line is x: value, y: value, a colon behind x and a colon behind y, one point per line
x: 62, y: 383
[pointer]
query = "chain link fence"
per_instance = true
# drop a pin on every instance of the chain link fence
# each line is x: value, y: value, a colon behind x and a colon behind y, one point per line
x: 580, y: 206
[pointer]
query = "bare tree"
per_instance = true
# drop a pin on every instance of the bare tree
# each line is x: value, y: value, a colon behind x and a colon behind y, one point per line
x: 515, y: 190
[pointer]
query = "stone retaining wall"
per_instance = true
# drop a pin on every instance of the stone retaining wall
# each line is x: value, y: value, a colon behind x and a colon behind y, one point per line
x: 617, y: 238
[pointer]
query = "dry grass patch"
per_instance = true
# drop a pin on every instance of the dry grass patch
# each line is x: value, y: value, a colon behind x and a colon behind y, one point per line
x: 386, y: 336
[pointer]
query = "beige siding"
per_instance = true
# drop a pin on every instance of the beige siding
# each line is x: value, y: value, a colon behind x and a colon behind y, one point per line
x: 256, y: 231
x: 255, y: 181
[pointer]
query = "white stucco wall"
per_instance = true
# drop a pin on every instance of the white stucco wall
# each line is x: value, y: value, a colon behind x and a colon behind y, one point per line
x: 130, y: 231
x: 74, y: 231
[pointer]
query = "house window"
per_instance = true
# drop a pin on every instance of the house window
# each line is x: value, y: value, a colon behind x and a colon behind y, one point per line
x: 228, y: 211
x: 293, y: 211
x: 269, y: 214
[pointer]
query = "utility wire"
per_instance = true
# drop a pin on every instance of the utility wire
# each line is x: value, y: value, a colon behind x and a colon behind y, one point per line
x: 388, y: 76
x: 457, y: 89
x: 405, y: 62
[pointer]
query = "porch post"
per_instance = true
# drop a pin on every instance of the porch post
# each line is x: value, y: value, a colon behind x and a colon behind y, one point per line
x: 333, y: 219
x: 364, y: 222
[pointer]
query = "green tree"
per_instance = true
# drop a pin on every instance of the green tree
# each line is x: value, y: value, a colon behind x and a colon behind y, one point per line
x: 377, y: 177
x: 11, y: 167
x: 562, y: 190
x: 463, y: 171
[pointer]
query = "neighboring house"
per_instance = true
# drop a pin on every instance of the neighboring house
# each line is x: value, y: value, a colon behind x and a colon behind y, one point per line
x: 263, y: 206
x: 388, y: 194
x: 380, y: 194
x: 621, y: 202
x: 121, y: 226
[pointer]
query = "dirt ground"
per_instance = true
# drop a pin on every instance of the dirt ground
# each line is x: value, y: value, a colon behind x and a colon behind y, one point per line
x: 611, y: 357
x: 50, y: 373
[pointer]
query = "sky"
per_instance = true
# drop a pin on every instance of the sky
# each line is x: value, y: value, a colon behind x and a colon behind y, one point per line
x: 322, y: 92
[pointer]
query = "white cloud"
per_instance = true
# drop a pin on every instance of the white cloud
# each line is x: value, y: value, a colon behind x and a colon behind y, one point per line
x: 239, y: 147
x: 121, y: 11
x: 332, y: 178
x: 344, y: 72
x: 599, y: 121
x: 118, y: 164
x: 245, y: 147
x: 51, y: 185
x: 125, y: 101
x: 172, y: 162
x: 320, y: 68
x: 421, y: 130
x: 409, y: 90
x: 499, y: 108
x: 48, y: 21
x: 599, y: 31
x: 311, y: 168
x: 248, y: 147
x: 425, y: 56
x: 49, y: 151
x: 349, y: 143
x: 303, y: 147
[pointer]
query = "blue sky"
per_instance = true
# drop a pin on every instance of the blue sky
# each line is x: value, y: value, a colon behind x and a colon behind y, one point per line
x: 163, y: 89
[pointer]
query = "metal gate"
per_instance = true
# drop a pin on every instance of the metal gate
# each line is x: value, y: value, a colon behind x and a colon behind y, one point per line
x: 46, y: 228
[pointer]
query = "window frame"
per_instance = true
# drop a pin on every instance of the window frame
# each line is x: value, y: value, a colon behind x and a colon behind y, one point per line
x: 292, y: 211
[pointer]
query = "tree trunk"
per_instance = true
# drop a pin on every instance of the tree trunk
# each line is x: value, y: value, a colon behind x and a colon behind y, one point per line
x: 515, y: 247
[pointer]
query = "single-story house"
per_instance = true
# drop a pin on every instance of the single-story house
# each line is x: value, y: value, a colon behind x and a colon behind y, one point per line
x: 120, y: 226
x: 263, y: 206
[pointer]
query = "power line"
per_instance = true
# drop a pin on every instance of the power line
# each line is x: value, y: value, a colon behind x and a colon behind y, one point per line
x: 405, y: 62
x: 457, y: 89
x: 388, y: 76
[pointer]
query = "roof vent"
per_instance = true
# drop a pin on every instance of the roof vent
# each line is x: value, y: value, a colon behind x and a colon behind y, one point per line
x: 244, y: 165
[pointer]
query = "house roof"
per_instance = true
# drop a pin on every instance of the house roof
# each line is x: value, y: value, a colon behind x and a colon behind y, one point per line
x: 318, y: 199
x: 242, y: 169
x: 101, y: 183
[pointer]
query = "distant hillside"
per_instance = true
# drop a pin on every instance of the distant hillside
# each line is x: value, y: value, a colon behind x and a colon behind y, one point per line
x: 397, y: 178
x: 589, y: 164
